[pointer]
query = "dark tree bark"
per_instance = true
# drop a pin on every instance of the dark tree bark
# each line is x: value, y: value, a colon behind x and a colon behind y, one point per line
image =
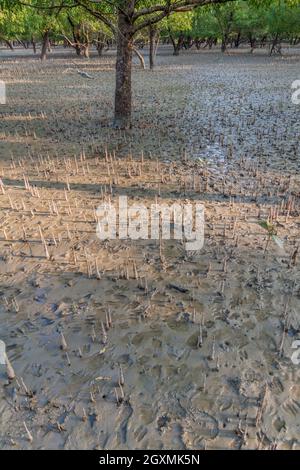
x: 9, y: 44
x: 188, y: 44
x: 123, y: 94
x: 198, y: 43
x: 252, y: 41
x: 33, y: 44
x: 45, y: 45
x: 76, y: 35
x: 237, y: 40
x: 100, y: 48
x: 100, y: 43
x: 263, y: 41
x: 226, y: 31
x: 211, y: 42
x: 153, y: 43
x: 275, y: 46
x: 177, y: 45
x: 224, y: 44
x: 22, y: 43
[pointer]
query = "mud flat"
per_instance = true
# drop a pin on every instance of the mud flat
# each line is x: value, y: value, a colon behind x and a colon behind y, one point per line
x: 139, y: 343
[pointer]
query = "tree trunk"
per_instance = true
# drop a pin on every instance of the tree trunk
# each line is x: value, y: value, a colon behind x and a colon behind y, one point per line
x: 123, y: 93
x: 152, y: 46
x: 100, y: 48
x: 22, y: 43
x: 276, y: 45
x: 86, y: 51
x: 76, y: 35
x: 210, y: 43
x: 45, y: 45
x: 224, y: 44
x: 9, y: 44
x: 33, y: 44
x: 140, y: 57
x: 100, y: 43
x: 177, y: 46
x: 252, y: 41
x: 237, y: 40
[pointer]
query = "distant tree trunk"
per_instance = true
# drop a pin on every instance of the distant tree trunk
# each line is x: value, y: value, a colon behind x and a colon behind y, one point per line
x: 177, y: 45
x: 22, y: 43
x: 100, y: 48
x: 76, y: 35
x: 224, y: 44
x: 252, y: 41
x: 226, y: 32
x: 45, y: 45
x: 123, y: 93
x: 237, y: 40
x: 153, y: 44
x: 156, y: 44
x: 86, y: 43
x: 263, y: 41
x: 188, y: 44
x: 33, y: 44
x: 211, y: 42
x: 9, y: 44
x: 276, y: 45
x: 198, y: 43
x: 140, y: 57
x: 100, y: 43
x: 86, y: 51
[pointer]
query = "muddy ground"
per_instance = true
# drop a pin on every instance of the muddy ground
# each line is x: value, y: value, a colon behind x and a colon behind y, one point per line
x: 201, y: 342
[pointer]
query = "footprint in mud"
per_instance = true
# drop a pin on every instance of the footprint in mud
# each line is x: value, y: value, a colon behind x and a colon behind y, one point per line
x: 144, y: 336
x: 225, y: 403
x: 140, y: 433
x: 276, y: 386
x: 122, y: 421
x: 197, y: 427
x: 251, y: 384
x: 279, y: 424
x: 243, y: 355
x: 291, y: 406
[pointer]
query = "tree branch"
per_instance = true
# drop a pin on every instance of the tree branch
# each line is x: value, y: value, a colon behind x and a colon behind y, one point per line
x: 100, y: 16
x: 181, y: 5
x: 52, y: 7
x: 150, y: 21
